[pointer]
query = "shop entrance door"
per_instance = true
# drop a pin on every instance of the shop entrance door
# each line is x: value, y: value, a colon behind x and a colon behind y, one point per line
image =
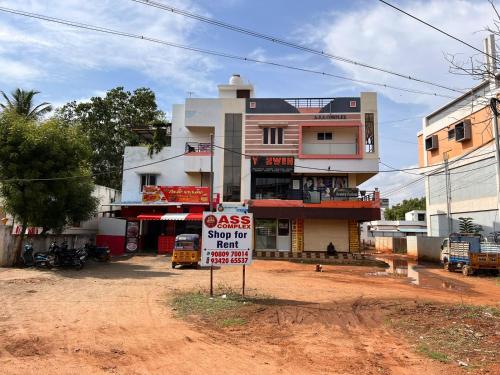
x: 283, y: 241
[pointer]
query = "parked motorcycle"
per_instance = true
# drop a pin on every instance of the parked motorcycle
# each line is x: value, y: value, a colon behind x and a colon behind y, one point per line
x: 65, y: 257
x: 39, y: 259
x: 98, y: 253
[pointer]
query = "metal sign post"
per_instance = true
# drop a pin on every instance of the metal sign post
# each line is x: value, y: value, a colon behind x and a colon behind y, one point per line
x: 211, y: 200
x: 243, y: 288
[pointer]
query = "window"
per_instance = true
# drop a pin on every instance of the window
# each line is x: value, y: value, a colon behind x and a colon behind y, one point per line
x: 270, y: 186
x: 325, y: 136
x: 147, y: 179
x: 421, y: 217
x: 369, y: 132
x: 431, y: 143
x: 232, y: 157
x: 451, y: 134
x: 272, y: 136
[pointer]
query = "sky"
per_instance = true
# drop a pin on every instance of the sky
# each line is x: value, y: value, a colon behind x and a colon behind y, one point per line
x: 67, y: 64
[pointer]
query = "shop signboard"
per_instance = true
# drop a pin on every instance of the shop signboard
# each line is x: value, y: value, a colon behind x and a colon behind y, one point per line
x: 384, y: 203
x: 272, y: 164
x: 176, y: 194
x: 227, y: 239
x: 132, y: 236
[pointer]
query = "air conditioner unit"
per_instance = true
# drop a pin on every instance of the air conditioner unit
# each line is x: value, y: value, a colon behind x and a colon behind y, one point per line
x: 463, y: 131
x: 431, y: 142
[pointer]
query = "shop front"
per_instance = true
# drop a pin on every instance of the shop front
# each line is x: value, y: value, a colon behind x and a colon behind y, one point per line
x: 165, y: 212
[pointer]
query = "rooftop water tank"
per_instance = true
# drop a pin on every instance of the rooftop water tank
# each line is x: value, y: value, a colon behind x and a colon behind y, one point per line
x: 236, y: 80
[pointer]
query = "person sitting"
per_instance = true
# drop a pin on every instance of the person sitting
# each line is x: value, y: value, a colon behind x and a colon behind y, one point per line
x: 330, y: 249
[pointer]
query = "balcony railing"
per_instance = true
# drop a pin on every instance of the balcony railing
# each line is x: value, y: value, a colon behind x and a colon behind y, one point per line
x: 197, y: 147
x: 321, y: 195
x: 308, y: 102
x: 338, y: 194
x: 334, y: 148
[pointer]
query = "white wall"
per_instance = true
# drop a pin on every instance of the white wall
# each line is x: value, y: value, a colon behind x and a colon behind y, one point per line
x: 424, y: 248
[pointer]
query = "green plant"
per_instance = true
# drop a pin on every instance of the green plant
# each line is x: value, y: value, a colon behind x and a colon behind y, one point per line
x: 425, y: 350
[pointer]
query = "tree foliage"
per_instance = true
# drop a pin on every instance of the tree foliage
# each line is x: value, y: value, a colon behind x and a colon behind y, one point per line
x: 466, y: 225
x: 50, y: 151
x: 21, y: 102
x: 397, y: 212
x: 109, y: 122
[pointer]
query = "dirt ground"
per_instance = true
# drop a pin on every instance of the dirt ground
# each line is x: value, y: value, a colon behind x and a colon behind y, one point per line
x: 115, y: 318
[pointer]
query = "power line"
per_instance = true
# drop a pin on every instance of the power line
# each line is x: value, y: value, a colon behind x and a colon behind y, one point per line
x: 92, y: 175
x: 277, y: 40
x: 210, y: 52
x: 438, y: 29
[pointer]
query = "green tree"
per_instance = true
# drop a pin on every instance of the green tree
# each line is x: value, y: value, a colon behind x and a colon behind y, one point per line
x: 44, y: 173
x: 21, y: 103
x: 112, y: 122
x: 466, y: 225
x: 397, y: 212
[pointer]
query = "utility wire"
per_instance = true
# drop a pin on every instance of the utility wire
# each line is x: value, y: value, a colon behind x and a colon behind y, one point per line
x: 438, y: 29
x: 210, y: 52
x: 92, y: 175
x: 277, y: 40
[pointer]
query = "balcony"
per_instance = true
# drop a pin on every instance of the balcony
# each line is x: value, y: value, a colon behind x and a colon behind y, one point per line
x: 197, y: 157
x: 330, y: 141
x: 197, y: 147
x: 349, y: 204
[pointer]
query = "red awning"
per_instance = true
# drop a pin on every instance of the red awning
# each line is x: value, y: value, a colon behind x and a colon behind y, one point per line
x: 173, y: 216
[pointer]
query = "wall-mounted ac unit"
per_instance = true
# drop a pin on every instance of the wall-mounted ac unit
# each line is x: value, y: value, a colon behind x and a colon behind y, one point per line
x: 431, y: 142
x: 463, y: 131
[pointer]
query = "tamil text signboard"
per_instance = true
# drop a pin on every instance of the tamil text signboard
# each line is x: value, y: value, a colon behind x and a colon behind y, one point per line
x: 227, y: 239
x: 176, y: 194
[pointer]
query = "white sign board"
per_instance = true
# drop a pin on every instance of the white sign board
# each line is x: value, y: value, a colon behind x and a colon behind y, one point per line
x: 227, y: 239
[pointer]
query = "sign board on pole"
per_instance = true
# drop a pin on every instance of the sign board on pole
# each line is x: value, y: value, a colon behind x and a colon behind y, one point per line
x: 384, y: 203
x: 227, y: 239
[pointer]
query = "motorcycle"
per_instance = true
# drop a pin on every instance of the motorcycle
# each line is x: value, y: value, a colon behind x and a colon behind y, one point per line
x: 39, y: 259
x: 98, y: 253
x: 64, y: 257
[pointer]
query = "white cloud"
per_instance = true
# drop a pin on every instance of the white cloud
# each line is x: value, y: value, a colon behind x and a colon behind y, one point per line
x: 380, y: 36
x: 60, y: 50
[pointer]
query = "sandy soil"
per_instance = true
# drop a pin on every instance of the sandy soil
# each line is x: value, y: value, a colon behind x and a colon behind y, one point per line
x: 114, y: 318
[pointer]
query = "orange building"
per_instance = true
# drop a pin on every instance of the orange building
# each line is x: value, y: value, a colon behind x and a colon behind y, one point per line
x: 460, y: 134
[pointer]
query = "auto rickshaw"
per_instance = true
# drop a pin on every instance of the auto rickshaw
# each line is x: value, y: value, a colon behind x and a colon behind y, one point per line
x: 187, y: 250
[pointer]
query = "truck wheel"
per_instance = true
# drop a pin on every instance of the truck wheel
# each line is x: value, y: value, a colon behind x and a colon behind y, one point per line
x: 467, y: 271
x: 173, y: 265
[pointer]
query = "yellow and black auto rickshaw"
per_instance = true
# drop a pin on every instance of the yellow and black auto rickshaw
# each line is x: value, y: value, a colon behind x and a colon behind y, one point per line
x: 187, y: 250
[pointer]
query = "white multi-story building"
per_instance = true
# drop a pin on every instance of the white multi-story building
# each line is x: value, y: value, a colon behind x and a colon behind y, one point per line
x: 294, y: 163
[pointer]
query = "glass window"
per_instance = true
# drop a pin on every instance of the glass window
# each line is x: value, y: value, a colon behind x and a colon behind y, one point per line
x: 283, y: 227
x: 451, y: 133
x: 269, y: 186
x: 272, y: 136
x: 369, y: 132
x: 325, y: 136
x: 147, y: 179
x: 232, y: 157
x: 265, y: 234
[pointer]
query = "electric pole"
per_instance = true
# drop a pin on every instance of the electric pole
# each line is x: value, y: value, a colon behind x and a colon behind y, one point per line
x: 448, y: 192
x: 494, y: 109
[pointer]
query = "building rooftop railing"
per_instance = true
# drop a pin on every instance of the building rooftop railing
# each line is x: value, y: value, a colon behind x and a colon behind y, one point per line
x: 197, y: 147
x: 308, y: 102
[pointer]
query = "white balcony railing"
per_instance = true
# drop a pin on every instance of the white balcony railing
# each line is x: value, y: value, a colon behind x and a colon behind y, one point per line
x: 330, y: 148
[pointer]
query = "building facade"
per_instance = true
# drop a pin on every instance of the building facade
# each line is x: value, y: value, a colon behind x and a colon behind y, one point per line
x: 461, y: 135
x: 294, y: 163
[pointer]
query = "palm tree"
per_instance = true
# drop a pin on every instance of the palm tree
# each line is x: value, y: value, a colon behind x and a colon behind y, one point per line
x: 22, y: 103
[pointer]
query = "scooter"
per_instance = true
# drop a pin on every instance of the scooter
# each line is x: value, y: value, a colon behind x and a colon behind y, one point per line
x: 39, y: 259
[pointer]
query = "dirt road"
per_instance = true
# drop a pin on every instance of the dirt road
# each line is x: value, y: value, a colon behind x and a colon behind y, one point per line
x: 114, y: 318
